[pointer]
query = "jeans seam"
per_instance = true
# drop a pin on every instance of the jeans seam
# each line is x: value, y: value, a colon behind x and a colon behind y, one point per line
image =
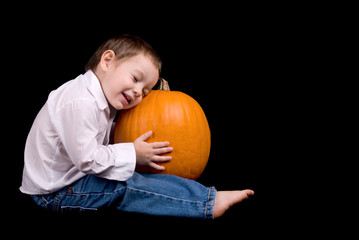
x: 209, y: 201
x: 165, y: 196
x: 44, y: 201
x: 209, y: 196
x: 96, y: 193
x: 79, y: 207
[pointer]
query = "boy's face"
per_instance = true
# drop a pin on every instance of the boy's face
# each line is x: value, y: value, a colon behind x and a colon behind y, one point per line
x: 126, y: 81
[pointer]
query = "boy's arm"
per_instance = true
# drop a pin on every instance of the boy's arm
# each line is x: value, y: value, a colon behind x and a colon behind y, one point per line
x: 148, y: 153
x: 78, y: 127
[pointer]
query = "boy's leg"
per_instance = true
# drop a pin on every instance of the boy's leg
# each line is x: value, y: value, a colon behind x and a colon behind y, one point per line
x: 88, y: 193
x: 155, y: 194
x: 159, y: 194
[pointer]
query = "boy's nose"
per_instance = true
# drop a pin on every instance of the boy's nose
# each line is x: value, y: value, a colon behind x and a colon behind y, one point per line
x: 136, y: 92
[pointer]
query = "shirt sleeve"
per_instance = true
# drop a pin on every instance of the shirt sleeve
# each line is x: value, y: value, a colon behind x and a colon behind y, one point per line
x: 80, y: 132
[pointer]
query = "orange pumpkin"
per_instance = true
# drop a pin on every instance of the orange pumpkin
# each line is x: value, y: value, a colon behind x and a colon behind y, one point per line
x: 175, y: 117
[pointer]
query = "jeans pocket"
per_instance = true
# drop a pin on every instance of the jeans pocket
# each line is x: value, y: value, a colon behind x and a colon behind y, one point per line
x: 73, y: 202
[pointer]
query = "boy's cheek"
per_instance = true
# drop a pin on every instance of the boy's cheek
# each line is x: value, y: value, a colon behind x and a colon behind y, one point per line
x: 137, y: 101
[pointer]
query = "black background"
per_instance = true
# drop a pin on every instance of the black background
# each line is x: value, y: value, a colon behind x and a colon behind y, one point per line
x: 241, y: 63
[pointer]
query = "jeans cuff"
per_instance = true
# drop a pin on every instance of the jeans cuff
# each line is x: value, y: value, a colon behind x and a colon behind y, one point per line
x: 210, y: 203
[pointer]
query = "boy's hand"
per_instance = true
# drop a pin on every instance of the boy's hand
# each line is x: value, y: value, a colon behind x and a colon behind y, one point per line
x: 149, y: 153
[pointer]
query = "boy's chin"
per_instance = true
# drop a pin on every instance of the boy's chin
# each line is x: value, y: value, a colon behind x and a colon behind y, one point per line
x: 123, y: 107
x: 116, y: 106
x: 119, y: 105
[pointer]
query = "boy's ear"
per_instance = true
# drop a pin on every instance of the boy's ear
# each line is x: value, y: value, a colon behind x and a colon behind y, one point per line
x: 106, y: 59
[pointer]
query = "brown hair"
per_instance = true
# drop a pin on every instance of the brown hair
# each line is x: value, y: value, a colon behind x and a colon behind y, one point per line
x: 124, y: 46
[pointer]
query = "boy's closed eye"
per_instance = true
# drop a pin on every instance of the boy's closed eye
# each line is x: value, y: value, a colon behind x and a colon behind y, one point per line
x: 136, y: 80
x: 145, y: 91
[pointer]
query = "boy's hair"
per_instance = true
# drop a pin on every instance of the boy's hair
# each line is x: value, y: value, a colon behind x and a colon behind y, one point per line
x: 124, y: 46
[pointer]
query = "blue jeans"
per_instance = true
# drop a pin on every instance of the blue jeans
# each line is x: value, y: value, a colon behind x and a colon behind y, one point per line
x: 154, y: 194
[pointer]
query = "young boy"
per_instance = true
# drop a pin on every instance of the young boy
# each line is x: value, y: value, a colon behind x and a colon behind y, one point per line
x: 70, y: 165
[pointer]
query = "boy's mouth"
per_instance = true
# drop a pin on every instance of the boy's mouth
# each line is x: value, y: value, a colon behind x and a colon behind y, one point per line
x: 127, y: 98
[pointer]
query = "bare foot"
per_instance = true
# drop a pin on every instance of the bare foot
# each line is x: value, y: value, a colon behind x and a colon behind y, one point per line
x: 226, y: 199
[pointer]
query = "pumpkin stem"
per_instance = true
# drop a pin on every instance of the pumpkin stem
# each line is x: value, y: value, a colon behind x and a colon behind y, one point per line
x: 163, y: 85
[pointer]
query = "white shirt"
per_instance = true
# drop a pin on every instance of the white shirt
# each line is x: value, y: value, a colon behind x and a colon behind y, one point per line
x: 70, y: 139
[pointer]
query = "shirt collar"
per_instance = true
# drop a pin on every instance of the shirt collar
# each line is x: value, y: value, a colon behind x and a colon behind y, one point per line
x: 94, y: 87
